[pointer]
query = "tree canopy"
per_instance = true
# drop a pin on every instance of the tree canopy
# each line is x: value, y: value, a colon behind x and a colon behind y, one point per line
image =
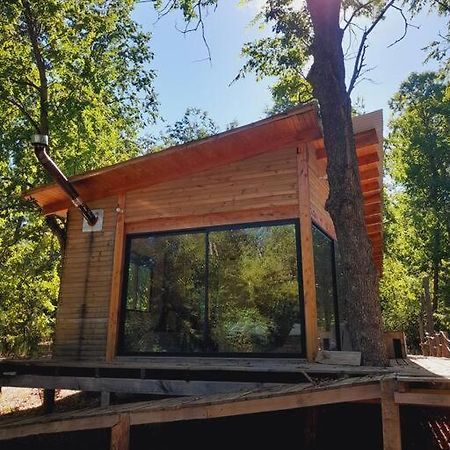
x: 78, y: 71
x: 418, y: 233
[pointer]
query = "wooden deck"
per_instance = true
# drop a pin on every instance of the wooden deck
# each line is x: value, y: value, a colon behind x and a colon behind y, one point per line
x: 198, y: 376
x: 403, y: 390
x: 212, y: 388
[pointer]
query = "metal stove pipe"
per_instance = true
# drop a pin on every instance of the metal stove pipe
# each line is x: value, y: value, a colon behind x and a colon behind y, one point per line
x: 40, y: 144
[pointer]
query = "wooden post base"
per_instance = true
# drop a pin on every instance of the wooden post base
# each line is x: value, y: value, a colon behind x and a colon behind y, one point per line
x: 105, y: 399
x: 48, y: 402
x: 390, y: 415
x: 120, y: 433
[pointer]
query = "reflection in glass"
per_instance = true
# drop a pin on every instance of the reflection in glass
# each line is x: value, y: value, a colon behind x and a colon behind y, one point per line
x: 232, y: 290
x: 253, y: 290
x: 165, y: 292
x: 325, y: 290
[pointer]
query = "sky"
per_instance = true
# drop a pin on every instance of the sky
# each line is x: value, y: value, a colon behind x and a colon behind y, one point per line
x: 185, y: 78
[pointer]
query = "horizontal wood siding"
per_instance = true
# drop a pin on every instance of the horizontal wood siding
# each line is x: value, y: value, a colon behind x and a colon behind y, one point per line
x: 319, y: 194
x: 264, y: 181
x: 82, y: 315
x: 265, y: 184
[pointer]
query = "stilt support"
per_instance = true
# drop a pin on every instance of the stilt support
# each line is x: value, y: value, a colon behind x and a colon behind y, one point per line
x: 390, y: 414
x: 105, y: 399
x: 120, y: 433
x: 49, y: 400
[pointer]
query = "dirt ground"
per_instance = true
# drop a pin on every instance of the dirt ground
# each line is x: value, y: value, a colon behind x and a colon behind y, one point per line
x: 18, y: 402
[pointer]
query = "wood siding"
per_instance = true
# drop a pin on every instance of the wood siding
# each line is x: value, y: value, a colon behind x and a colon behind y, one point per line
x: 82, y: 315
x: 264, y: 187
x: 265, y: 181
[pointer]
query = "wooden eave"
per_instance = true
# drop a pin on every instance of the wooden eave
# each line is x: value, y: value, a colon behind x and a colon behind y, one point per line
x: 300, y: 125
x: 281, y: 131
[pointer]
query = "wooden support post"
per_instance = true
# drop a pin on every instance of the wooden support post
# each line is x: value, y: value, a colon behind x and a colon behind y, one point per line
x: 390, y: 415
x: 116, y: 284
x: 48, y: 402
x: 120, y: 433
x: 306, y: 238
x: 105, y: 399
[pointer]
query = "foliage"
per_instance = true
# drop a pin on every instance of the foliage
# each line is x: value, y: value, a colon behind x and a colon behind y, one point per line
x: 418, y: 209
x: 439, y: 48
x: 400, y: 286
x: 77, y: 70
x: 195, y: 124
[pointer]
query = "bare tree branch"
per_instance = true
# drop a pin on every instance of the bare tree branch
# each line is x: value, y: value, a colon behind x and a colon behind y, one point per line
x: 355, y: 12
x: 406, y: 26
x: 199, y: 24
x: 33, y: 33
x: 361, y: 54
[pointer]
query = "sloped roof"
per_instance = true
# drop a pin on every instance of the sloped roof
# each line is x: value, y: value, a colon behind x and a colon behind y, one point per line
x: 299, y: 125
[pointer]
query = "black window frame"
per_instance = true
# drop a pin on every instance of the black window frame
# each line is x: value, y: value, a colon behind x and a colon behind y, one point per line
x: 206, y: 230
x: 334, y: 283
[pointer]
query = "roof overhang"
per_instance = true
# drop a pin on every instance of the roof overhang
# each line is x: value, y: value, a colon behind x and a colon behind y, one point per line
x: 299, y: 125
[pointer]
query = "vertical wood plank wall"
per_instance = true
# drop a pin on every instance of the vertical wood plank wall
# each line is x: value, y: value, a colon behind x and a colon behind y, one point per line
x: 82, y: 314
x: 260, y: 188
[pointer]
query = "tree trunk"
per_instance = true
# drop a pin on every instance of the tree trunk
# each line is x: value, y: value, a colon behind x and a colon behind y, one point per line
x: 428, y: 305
x: 436, y: 268
x: 59, y: 231
x: 32, y: 30
x: 345, y: 201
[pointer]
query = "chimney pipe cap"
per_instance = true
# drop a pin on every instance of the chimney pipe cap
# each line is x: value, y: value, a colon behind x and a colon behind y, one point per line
x: 39, y: 139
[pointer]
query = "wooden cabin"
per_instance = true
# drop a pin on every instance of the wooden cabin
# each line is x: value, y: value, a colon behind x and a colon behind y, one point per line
x: 221, y: 247
x: 212, y: 272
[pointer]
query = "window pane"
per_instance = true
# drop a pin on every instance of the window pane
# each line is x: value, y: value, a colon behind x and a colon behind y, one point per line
x: 325, y: 293
x: 165, y: 294
x: 253, y: 290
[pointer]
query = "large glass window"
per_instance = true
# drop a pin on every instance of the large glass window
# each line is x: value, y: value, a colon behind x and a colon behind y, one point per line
x: 326, y: 295
x: 222, y: 290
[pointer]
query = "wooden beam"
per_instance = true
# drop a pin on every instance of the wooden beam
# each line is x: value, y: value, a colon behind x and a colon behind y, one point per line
x: 133, y: 385
x: 105, y: 399
x: 374, y: 228
x: 120, y: 433
x: 307, y: 252
x: 373, y: 219
x: 372, y: 198
x: 59, y: 426
x: 363, y: 139
x: 370, y: 174
x: 374, y: 208
x: 116, y: 283
x: 194, y: 408
x: 370, y: 186
x: 423, y: 398
x: 390, y: 416
x: 202, y: 410
x: 223, y: 218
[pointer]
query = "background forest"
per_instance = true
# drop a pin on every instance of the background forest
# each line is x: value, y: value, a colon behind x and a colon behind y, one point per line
x: 82, y: 71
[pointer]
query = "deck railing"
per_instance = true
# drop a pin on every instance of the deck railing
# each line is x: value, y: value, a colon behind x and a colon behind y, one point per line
x: 436, y: 345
